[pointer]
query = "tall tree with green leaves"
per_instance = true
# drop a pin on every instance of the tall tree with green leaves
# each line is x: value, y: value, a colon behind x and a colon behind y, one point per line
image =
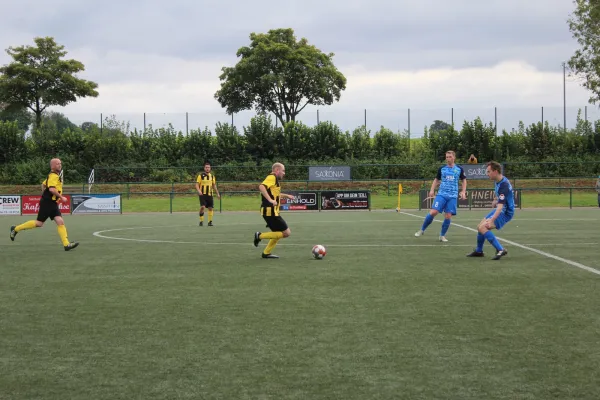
x: 39, y: 77
x: 19, y: 114
x: 584, y: 24
x: 279, y: 74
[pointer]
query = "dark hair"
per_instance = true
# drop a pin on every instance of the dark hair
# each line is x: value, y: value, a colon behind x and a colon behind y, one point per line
x: 495, y: 166
x: 206, y: 163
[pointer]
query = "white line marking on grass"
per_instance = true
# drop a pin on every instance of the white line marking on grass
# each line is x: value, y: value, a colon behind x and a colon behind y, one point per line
x: 249, y: 243
x: 543, y: 253
x: 100, y: 235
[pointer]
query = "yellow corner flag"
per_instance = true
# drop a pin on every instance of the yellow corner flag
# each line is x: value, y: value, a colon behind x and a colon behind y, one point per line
x: 399, y: 193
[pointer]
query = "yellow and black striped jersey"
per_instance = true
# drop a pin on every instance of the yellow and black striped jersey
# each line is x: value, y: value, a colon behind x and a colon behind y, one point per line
x: 271, y: 183
x: 53, y: 180
x: 206, y: 182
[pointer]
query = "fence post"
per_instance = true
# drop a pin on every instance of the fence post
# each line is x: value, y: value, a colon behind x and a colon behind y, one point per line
x: 221, y: 204
x: 570, y: 198
x: 127, y: 190
x: 171, y: 203
x: 521, y: 199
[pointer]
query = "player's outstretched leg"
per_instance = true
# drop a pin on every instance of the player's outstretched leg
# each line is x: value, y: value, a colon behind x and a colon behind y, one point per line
x: 445, y: 226
x: 428, y: 220
x: 62, y: 233
x: 24, y: 226
x: 273, y: 237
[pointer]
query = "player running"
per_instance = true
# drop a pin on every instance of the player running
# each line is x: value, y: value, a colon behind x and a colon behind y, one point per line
x: 446, y: 199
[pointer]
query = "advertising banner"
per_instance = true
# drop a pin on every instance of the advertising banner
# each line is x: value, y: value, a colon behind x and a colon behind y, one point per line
x: 476, y: 198
x: 476, y: 171
x: 10, y: 205
x: 345, y: 200
x: 304, y: 200
x: 334, y: 173
x: 30, y: 205
x: 96, y: 203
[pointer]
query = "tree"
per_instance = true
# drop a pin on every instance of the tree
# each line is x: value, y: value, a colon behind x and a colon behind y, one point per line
x: 39, y: 77
x: 584, y: 25
x: 439, y: 126
x: 281, y: 75
x: 18, y: 114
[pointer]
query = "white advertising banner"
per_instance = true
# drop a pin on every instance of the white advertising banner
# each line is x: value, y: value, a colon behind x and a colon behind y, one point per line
x: 10, y: 205
x: 96, y: 203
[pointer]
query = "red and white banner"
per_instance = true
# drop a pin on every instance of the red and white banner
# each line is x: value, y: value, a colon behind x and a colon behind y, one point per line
x: 31, y: 205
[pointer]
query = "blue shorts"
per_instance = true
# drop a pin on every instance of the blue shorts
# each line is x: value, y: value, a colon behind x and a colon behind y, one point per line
x: 444, y: 204
x: 502, y: 219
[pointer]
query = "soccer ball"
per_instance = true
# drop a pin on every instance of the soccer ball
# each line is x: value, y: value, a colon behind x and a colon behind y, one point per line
x: 319, y: 251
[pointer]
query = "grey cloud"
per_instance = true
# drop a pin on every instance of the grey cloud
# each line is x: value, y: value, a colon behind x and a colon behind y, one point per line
x: 399, y: 34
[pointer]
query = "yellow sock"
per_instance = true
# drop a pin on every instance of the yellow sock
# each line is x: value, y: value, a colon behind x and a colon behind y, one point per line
x: 25, y: 226
x: 210, y: 215
x: 271, y: 235
x: 62, y: 232
x: 271, y: 245
x: 201, y: 217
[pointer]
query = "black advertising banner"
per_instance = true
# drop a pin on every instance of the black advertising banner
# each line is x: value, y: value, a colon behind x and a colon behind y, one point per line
x: 476, y: 198
x: 345, y: 200
x: 304, y: 200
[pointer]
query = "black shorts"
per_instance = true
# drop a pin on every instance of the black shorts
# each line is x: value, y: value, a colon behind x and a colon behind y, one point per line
x: 206, y: 201
x: 276, y: 224
x: 48, y: 209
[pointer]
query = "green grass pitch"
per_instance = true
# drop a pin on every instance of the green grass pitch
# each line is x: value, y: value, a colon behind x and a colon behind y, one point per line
x: 152, y: 306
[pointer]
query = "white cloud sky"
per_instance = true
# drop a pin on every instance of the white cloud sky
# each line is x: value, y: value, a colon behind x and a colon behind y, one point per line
x: 164, y: 58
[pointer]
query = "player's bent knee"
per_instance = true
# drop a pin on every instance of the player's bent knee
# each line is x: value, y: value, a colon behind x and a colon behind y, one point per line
x: 481, y: 228
x: 433, y: 212
x: 287, y: 233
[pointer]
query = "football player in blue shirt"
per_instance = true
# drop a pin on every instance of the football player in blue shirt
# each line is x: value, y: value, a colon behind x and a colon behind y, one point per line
x: 504, y: 210
x: 447, y: 198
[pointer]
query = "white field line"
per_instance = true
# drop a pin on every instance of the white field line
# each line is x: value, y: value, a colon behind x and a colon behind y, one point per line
x: 543, y: 253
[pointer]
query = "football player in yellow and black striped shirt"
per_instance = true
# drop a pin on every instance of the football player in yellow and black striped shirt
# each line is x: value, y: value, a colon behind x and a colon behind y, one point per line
x: 51, y: 196
x: 270, y: 189
x: 206, y: 185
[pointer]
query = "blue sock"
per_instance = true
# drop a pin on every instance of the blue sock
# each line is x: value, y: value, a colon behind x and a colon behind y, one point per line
x: 489, y: 235
x: 427, y: 222
x: 480, y: 242
x: 445, y: 226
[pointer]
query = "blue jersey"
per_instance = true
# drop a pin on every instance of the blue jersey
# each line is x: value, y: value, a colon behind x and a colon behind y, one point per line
x: 505, y: 195
x: 449, y: 177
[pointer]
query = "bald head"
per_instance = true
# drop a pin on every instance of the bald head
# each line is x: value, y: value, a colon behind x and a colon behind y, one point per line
x: 56, y: 165
x: 278, y: 170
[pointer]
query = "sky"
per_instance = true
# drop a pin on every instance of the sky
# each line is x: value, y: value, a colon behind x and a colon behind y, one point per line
x: 433, y: 59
